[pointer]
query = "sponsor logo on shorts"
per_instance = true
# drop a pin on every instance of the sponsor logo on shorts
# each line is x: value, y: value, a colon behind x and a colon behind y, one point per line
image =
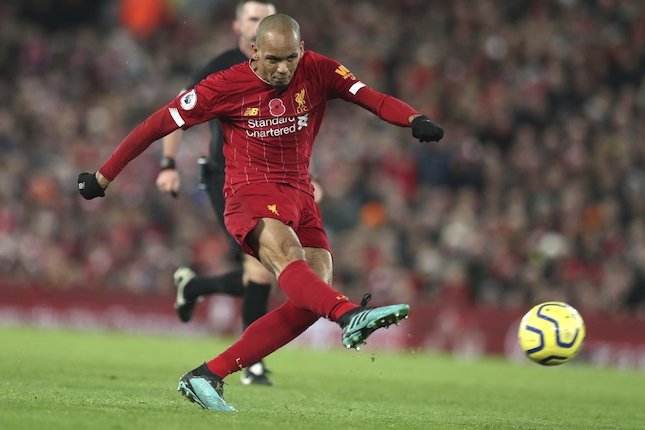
x: 273, y: 208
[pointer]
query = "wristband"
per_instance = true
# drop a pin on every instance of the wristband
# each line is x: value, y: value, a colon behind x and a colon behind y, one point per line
x: 167, y: 163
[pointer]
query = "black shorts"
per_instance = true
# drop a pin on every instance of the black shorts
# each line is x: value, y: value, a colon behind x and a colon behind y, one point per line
x: 214, y: 179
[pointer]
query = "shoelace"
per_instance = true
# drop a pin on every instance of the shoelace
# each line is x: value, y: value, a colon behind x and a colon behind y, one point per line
x: 212, y: 379
x: 363, y: 306
x: 366, y: 299
x: 218, y: 385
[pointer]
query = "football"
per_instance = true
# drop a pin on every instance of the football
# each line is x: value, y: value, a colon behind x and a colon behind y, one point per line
x: 551, y: 333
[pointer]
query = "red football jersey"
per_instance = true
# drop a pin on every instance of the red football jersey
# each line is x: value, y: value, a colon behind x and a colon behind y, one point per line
x: 268, y: 133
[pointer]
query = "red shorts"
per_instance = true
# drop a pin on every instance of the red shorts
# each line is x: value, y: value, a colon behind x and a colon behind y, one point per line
x: 292, y: 207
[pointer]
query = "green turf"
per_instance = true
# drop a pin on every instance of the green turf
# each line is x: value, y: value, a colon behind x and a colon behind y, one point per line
x: 77, y: 380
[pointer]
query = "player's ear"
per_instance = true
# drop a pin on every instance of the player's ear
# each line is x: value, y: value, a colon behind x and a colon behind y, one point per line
x: 254, y: 52
x: 302, y: 47
x: 236, y: 26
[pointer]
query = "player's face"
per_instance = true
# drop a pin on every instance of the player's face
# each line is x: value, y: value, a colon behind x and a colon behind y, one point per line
x: 246, y: 25
x: 277, y: 58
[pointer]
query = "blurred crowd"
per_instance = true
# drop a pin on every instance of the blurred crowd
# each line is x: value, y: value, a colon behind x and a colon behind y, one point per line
x: 536, y: 193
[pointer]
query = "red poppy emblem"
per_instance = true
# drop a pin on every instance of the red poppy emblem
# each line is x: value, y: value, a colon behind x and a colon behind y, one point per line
x: 276, y: 107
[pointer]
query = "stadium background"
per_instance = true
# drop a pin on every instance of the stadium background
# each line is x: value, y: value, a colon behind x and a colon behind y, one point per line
x: 536, y: 193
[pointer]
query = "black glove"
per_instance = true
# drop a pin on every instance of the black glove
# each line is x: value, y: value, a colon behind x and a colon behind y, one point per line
x: 426, y: 130
x: 89, y: 187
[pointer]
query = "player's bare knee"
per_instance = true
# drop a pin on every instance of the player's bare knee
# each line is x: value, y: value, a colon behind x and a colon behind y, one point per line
x: 276, y: 244
x: 292, y: 252
x: 320, y: 261
x: 279, y: 257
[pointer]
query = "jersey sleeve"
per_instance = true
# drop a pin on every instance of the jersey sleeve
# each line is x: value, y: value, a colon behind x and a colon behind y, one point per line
x: 199, y: 104
x: 337, y: 79
x: 340, y: 82
x: 192, y: 107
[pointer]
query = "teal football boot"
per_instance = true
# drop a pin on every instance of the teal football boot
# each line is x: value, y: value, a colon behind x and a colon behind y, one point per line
x: 207, y: 390
x: 360, y: 323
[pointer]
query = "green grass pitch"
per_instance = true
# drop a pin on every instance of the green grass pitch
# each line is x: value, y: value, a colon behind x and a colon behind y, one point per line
x: 52, y: 379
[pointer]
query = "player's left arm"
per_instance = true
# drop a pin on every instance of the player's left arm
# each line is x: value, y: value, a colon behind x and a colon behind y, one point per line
x: 396, y: 112
x: 341, y: 82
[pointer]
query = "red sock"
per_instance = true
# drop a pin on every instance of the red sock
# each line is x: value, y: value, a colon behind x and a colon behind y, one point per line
x: 265, y: 335
x: 306, y: 290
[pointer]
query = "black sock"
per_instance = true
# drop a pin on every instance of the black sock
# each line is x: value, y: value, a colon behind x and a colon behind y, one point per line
x: 229, y: 283
x: 256, y: 301
x: 344, y: 318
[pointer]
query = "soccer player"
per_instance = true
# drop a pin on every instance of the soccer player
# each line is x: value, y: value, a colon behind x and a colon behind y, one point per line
x: 253, y: 281
x: 271, y: 109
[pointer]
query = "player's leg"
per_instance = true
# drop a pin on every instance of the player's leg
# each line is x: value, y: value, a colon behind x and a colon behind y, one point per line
x: 265, y: 335
x: 309, y: 297
x: 275, y: 329
x: 283, y: 324
x: 190, y: 287
x: 278, y: 327
x: 254, y: 284
x: 279, y: 249
x: 257, y: 280
x: 320, y: 261
x: 359, y: 323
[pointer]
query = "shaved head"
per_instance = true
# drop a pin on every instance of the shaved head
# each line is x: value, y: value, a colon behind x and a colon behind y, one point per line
x: 278, y: 25
x: 277, y: 49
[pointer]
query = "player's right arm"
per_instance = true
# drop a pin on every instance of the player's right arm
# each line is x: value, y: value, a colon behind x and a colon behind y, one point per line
x: 189, y: 108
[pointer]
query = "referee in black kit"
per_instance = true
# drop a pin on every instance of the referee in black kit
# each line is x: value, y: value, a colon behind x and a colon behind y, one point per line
x: 252, y: 281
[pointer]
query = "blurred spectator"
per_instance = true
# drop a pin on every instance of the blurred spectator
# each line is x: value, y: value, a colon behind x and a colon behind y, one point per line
x: 536, y: 193
x: 142, y: 17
